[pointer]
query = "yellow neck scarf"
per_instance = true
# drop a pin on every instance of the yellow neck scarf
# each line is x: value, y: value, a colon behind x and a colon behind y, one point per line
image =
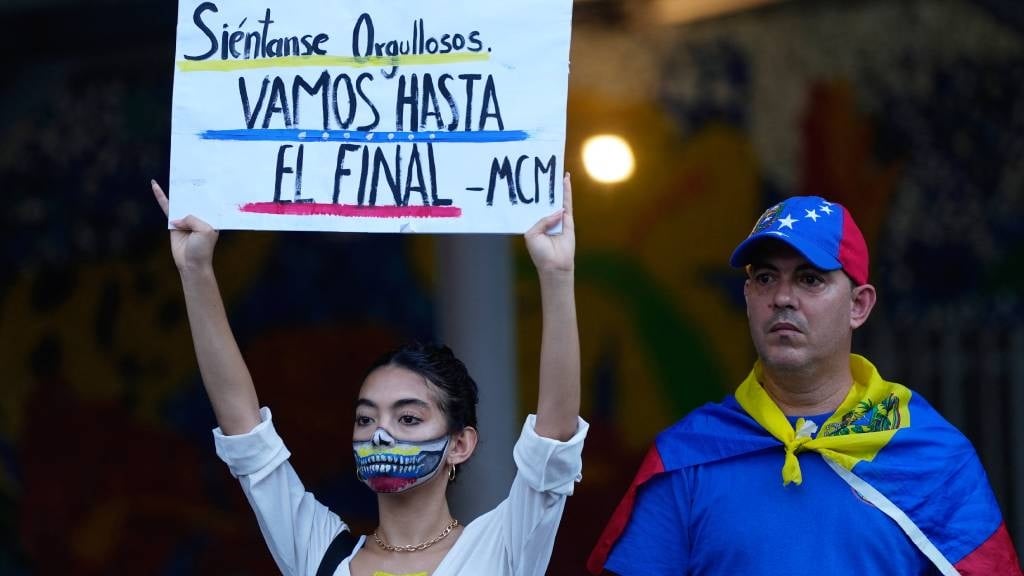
x: 862, y: 425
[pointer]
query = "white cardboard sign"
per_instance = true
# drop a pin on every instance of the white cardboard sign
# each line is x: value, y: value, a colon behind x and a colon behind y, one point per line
x: 370, y: 115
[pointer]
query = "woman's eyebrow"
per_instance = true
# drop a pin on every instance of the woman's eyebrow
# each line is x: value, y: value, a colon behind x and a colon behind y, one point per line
x: 397, y: 404
x: 409, y: 402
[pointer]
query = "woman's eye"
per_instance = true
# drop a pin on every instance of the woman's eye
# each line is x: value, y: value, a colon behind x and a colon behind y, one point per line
x: 408, y: 420
x: 362, y: 420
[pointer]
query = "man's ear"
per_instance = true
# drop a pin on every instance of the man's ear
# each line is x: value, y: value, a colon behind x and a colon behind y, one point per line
x: 463, y: 445
x: 746, y: 295
x: 862, y: 301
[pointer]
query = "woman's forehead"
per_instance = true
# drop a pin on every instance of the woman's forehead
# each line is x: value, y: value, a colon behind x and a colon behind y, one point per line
x: 390, y: 384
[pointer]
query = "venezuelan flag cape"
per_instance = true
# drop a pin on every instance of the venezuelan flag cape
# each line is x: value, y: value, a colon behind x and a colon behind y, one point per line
x: 888, y: 444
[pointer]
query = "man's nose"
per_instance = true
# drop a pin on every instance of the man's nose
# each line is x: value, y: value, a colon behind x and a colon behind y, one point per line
x: 382, y: 438
x: 783, y: 296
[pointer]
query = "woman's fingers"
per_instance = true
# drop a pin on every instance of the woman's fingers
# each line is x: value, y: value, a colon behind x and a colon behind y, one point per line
x: 568, y: 223
x: 567, y: 194
x: 161, y: 197
x: 544, y: 224
x: 564, y: 215
x: 192, y: 224
x: 189, y: 223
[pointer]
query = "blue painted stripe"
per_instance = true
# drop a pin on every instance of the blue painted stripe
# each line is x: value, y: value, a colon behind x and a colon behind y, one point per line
x: 293, y: 135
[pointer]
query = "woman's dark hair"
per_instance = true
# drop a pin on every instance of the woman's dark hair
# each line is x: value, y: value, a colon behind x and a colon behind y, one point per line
x: 446, y: 372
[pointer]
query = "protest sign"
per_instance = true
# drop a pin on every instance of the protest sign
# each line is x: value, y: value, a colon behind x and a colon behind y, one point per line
x: 370, y: 115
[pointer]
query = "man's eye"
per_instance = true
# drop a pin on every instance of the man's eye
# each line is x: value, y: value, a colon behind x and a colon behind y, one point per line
x: 812, y: 280
x: 763, y: 278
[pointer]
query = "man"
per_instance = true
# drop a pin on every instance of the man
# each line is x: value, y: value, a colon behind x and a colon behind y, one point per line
x: 816, y: 465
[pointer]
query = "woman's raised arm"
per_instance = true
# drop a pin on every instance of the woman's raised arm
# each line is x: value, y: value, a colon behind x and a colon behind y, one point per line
x: 558, y: 401
x: 225, y: 375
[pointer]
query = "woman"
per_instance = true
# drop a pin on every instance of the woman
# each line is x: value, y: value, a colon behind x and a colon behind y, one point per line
x: 415, y: 422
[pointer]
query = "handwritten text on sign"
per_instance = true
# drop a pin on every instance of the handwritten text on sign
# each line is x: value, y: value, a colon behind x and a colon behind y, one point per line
x: 370, y: 115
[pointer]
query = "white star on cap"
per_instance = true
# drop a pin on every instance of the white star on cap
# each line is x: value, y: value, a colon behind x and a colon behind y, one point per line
x: 786, y: 222
x: 812, y: 215
x: 826, y: 208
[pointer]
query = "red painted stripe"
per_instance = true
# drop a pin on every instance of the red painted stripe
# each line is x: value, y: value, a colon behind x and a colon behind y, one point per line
x: 651, y: 465
x: 348, y: 210
x: 995, y: 557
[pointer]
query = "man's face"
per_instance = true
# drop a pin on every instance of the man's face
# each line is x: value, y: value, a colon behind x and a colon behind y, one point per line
x: 800, y: 316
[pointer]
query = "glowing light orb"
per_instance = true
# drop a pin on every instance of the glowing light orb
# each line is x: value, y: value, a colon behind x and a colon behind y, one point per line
x: 608, y: 158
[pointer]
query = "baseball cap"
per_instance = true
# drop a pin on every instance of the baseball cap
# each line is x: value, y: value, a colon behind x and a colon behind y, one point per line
x: 823, y: 232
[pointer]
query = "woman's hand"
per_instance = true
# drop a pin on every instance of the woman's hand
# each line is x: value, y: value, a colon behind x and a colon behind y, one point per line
x: 192, y: 240
x: 554, y: 254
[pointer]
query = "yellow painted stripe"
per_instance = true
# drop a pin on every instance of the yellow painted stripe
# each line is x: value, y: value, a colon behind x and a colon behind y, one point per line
x: 364, y: 452
x: 330, y: 61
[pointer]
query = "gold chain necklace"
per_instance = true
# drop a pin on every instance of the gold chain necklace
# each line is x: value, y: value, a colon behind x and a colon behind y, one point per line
x: 416, y: 547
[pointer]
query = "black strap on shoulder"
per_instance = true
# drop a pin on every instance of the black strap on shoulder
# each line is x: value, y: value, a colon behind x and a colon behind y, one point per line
x: 339, y: 549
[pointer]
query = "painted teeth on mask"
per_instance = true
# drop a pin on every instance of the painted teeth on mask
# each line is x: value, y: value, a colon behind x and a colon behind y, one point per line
x: 373, y: 470
x: 395, y: 465
x: 392, y: 459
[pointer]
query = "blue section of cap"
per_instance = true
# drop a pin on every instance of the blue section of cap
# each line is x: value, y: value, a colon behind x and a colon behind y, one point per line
x: 809, y: 224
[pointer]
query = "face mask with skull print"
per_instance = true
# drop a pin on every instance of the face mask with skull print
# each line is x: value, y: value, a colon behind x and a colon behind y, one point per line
x: 388, y: 465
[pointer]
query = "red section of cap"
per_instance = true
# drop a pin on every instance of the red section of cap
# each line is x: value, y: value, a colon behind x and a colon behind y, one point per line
x: 617, y: 524
x: 853, y: 251
x: 995, y: 557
